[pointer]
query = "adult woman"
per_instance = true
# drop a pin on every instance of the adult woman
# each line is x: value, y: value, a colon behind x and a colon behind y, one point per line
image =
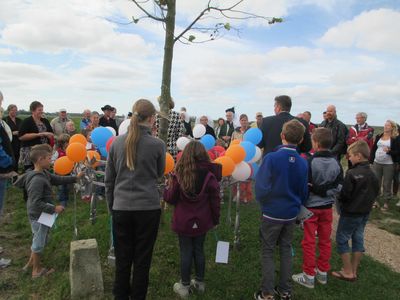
x: 208, y: 123
x: 187, y: 126
x: 238, y: 133
x: 217, y: 129
x: 33, y: 130
x: 94, y: 117
x: 14, y: 124
x: 383, y: 157
x: 135, y: 161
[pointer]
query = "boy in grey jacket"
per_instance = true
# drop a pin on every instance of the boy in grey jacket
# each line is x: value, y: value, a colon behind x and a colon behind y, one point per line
x: 325, y: 179
x: 40, y: 199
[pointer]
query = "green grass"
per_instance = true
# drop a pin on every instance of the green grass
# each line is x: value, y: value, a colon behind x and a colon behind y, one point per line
x: 239, y: 279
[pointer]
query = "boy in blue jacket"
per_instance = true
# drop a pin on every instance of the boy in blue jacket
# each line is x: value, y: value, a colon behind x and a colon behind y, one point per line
x: 281, y: 188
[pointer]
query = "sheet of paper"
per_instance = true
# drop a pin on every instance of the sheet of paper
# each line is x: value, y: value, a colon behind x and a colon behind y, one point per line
x: 47, y: 219
x: 222, y: 252
x: 304, y: 214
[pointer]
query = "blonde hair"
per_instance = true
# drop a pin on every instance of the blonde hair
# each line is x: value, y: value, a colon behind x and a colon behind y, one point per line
x: 394, y: 131
x: 141, y: 110
x: 361, y: 147
x: 39, y: 151
x: 171, y: 102
x: 62, y: 139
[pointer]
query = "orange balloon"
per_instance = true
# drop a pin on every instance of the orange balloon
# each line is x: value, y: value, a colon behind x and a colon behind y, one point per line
x: 236, y: 152
x: 78, y: 138
x: 236, y: 142
x: 97, y: 155
x: 169, y: 163
x: 63, y: 165
x: 228, y: 165
x: 76, y: 152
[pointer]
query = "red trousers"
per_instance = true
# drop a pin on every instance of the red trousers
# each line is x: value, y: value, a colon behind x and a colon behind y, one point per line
x: 245, y: 187
x: 321, y: 222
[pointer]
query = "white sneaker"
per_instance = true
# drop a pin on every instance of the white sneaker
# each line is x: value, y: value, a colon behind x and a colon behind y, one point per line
x: 4, y: 263
x: 397, y: 204
x: 181, y: 289
x: 304, y: 279
x: 234, y: 199
x: 322, y: 277
x: 197, y: 285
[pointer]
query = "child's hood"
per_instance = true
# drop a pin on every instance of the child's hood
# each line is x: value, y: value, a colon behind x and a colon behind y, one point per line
x: 24, y: 180
x: 214, y: 168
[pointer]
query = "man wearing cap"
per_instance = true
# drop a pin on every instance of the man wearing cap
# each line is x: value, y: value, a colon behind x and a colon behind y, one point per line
x: 86, y: 119
x: 106, y: 119
x: 59, y: 124
x: 259, y: 117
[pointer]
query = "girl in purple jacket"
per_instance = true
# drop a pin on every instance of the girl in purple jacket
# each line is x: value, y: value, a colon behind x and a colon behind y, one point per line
x: 194, y: 190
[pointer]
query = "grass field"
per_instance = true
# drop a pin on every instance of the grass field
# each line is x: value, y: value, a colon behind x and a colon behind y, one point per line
x: 239, y: 279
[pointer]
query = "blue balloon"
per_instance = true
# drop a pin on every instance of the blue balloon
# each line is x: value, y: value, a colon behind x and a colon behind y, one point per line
x: 253, y: 135
x: 100, y: 136
x: 208, y: 141
x: 255, y: 169
x: 250, y: 150
x: 103, y: 151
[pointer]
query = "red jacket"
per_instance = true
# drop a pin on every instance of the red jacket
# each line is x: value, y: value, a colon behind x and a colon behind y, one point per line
x: 356, y: 133
x: 195, y: 216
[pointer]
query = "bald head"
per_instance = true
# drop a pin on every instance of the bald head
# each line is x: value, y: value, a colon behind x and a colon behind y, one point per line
x: 301, y: 116
x: 331, y: 112
x: 86, y: 114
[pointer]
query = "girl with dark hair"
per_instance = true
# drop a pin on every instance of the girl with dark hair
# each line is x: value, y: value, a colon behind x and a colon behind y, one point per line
x: 135, y: 161
x: 194, y: 190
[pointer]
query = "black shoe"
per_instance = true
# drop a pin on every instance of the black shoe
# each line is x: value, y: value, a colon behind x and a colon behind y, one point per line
x: 283, y: 296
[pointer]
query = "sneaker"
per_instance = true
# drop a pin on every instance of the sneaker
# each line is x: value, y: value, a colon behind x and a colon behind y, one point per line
x: 282, y: 295
x: 260, y: 296
x: 322, y: 277
x: 398, y: 203
x: 100, y: 197
x: 181, y: 289
x: 197, y: 285
x: 304, y: 279
x: 234, y: 199
x: 4, y: 263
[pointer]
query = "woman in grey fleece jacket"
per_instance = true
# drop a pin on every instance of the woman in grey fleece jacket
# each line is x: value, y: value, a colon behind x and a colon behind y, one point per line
x: 135, y: 161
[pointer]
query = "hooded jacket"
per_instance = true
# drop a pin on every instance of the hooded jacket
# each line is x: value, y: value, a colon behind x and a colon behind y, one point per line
x: 40, y: 191
x: 194, y: 215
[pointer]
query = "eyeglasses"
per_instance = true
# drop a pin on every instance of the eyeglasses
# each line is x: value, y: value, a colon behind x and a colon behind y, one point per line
x: 203, y: 120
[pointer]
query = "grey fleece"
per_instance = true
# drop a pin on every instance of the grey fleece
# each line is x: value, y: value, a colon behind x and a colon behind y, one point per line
x: 137, y: 189
x: 40, y: 192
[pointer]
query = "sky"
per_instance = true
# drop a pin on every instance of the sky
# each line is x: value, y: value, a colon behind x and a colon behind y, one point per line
x: 80, y: 54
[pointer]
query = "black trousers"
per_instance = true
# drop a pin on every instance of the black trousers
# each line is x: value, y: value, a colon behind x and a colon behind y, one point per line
x: 134, y: 234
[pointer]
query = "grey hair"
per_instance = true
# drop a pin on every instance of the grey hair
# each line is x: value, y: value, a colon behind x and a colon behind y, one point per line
x: 229, y: 112
x: 94, y: 113
x: 363, y: 115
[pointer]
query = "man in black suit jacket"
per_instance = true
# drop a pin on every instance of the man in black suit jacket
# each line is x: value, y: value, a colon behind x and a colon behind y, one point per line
x: 271, y: 127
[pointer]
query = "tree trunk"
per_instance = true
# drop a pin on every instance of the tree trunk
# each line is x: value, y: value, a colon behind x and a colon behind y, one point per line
x: 166, y: 76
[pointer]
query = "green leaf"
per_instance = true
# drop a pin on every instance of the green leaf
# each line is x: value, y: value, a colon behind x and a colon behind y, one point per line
x: 191, y: 38
x: 227, y: 26
x: 135, y: 21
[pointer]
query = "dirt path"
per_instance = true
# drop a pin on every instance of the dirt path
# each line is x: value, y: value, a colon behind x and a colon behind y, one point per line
x: 380, y: 244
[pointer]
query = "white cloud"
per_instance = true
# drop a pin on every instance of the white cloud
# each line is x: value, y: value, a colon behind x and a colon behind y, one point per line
x: 360, y: 76
x: 5, y: 51
x: 23, y: 71
x: 112, y: 71
x: 375, y: 30
x: 295, y: 54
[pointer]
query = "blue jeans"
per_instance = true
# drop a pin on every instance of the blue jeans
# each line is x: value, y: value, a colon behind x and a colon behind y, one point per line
x: 3, y: 188
x: 351, y: 228
x: 192, y: 248
x: 63, y: 194
x: 41, y: 236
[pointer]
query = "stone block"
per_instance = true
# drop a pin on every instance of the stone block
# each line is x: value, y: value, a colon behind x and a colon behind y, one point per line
x: 85, y: 270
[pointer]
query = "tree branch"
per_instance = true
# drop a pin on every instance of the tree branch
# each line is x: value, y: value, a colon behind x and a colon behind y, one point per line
x: 145, y: 11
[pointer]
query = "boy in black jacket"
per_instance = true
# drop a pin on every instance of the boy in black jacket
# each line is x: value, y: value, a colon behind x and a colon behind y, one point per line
x: 360, y: 188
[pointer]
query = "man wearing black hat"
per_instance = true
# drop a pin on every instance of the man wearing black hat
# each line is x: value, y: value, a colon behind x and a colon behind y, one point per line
x: 106, y: 119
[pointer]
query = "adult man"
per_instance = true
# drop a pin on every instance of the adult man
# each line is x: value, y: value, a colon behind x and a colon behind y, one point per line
x: 86, y: 119
x: 324, y: 116
x: 118, y: 121
x: 339, y: 132
x: 58, y: 124
x: 227, y: 128
x: 307, y: 117
x: 70, y: 128
x: 106, y: 119
x: 271, y: 127
x: 259, y: 117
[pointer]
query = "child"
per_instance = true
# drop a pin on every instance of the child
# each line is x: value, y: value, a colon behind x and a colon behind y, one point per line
x: 325, y: 177
x: 40, y: 199
x: 63, y: 190
x: 87, y: 132
x: 360, y: 188
x: 281, y: 188
x: 194, y: 190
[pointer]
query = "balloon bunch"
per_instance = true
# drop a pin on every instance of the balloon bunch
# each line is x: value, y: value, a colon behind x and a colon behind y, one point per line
x: 239, y: 160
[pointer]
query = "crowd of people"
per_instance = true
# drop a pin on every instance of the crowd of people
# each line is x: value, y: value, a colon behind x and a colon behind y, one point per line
x: 284, y: 183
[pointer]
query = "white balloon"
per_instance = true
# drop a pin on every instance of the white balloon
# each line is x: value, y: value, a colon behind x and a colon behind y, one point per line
x: 242, y: 171
x: 182, y: 142
x: 256, y: 156
x: 199, y: 130
x: 123, y: 128
x: 112, y: 130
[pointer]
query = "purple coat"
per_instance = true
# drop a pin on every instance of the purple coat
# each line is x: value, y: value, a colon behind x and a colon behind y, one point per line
x: 194, y: 216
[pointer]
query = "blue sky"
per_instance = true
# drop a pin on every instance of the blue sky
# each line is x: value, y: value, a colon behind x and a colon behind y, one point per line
x: 66, y: 55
